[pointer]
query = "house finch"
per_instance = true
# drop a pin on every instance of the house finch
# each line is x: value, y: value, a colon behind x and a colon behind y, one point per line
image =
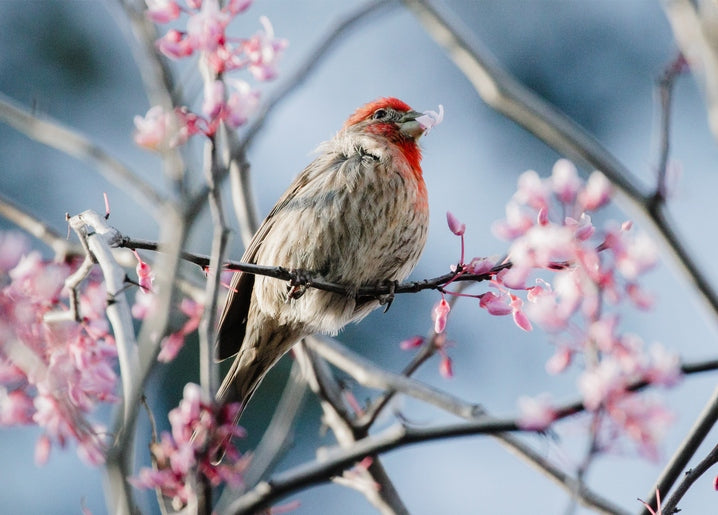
x: 357, y: 215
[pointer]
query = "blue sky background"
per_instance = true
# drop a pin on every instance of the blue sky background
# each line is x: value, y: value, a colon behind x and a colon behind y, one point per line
x: 597, y: 61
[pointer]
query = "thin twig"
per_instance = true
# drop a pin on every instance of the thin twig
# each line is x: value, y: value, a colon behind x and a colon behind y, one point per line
x: 373, y: 376
x: 37, y: 228
x: 690, y: 477
x: 313, y: 280
x: 685, y: 451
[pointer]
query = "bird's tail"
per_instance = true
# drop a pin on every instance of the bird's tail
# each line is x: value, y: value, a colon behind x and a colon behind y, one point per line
x: 254, y: 359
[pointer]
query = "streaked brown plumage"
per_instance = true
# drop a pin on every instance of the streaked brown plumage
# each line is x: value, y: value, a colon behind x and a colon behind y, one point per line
x: 358, y: 215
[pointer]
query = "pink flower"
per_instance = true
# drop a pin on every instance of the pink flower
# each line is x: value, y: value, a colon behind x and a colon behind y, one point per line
x: 145, y: 276
x: 159, y: 130
x: 170, y: 347
x: 445, y: 367
x: 200, y: 432
x: 454, y: 225
x: 536, y: 413
x: 431, y: 119
x: 16, y: 408
x: 213, y: 99
x: 497, y: 305
x: 559, y: 361
x: 162, y: 11
x: 480, y: 266
x: 242, y: 103
x: 597, y: 192
x: 565, y: 181
x: 205, y: 29
x: 517, y: 222
x: 440, y: 315
x: 532, y: 191
x: 175, y: 44
x: 411, y: 343
x: 13, y: 245
x: 520, y: 318
x: 263, y: 51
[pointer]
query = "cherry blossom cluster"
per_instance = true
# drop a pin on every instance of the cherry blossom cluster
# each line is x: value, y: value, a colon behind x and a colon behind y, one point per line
x: 573, y: 279
x: 54, y: 370
x: 200, y: 433
x: 226, y: 100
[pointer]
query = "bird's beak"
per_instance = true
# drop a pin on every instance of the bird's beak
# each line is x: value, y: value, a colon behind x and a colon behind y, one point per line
x: 409, y: 126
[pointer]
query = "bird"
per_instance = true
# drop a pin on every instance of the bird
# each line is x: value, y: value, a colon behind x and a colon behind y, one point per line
x: 357, y: 215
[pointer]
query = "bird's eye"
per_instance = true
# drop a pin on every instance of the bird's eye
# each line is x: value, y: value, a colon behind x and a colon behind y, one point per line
x: 379, y: 114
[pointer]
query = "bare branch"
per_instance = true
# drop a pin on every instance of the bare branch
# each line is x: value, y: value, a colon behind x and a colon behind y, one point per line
x: 372, y: 376
x: 335, y: 460
x: 690, y: 477
x: 56, y: 135
x: 371, y: 480
x: 37, y: 228
x: 685, y: 451
x: 696, y: 31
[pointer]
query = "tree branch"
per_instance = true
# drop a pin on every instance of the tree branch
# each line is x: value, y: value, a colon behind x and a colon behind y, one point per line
x: 54, y: 134
x: 337, y: 459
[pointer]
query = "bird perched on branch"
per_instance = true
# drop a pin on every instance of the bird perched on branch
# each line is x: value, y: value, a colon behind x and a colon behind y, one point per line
x: 357, y: 215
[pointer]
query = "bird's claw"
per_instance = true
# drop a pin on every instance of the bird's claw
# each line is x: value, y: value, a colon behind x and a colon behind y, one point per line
x: 386, y: 300
x: 297, y: 284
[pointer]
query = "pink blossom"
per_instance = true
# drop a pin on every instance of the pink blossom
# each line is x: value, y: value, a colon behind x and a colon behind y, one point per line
x: 13, y: 245
x: 480, y: 266
x: 175, y: 44
x: 532, y: 191
x: 454, y: 225
x: 162, y: 11
x: 411, y: 343
x: 664, y: 367
x: 242, y: 103
x: 445, y: 367
x: 559, y: 361
x: 644, y: 419
x: 640, y: 255
x: 601, y: 383
x: 145, y: 276
x: 497, y: 305
x: 431, y: 119
x: 54, y: 374
x: 520, y: 318
x: 159, y: 130
x: 583, y: 228
x: 440, y: 315
x: 200, y: 432
x: 16, y: 408
x: 597, y: 192
x: 170, y: 347
x: 213, y: 99
x: 263, y: 51
x: 565, y: 181
x: 205, y: 28
x: 517, y: 222
x: 42, y: 450
x: 536, y: 413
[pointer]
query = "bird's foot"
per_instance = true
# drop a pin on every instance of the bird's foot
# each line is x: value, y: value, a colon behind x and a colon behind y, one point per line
x: 386, y: 300
x: 297, y: 284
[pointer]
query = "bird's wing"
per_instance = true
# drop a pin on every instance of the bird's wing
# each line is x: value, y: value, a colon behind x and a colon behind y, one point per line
x: 233, y: 321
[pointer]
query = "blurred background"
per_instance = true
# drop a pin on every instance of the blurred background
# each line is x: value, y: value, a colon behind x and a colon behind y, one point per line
x: 596, y: 61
